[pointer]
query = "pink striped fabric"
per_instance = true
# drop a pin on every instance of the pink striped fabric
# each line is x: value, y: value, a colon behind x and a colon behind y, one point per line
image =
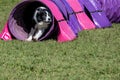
x: 83, y: 19
x: 5, y: 34
x: 65, y: 33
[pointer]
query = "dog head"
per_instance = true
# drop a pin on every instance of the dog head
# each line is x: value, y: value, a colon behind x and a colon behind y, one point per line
x: 42, y: 14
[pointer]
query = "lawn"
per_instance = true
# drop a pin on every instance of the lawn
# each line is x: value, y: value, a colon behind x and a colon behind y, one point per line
x: 94, y: 55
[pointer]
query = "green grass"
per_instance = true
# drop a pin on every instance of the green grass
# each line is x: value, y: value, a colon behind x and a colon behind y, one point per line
x: 94, y: 55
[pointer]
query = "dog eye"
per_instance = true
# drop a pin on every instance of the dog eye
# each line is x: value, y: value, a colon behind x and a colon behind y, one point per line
x: 45, y: 14
x: 38, y: 9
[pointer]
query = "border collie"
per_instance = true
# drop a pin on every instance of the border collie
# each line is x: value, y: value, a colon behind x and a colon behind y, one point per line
x: 42, y: 18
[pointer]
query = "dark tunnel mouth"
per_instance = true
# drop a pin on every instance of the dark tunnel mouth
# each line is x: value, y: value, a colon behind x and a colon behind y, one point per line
x: 21, y: 20
x: 88, y: 13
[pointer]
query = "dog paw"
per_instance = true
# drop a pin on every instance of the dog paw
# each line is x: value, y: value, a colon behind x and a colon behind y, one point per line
x: 28, y: 40
x: 34, y: 39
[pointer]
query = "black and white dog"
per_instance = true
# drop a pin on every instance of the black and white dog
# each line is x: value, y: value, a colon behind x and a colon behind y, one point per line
x: 42, y: 18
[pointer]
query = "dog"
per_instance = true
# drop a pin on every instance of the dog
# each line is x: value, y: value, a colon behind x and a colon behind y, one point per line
x: 42, y: 18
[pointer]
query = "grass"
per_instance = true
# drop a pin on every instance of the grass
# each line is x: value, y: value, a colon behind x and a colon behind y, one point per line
x: 94, y: 55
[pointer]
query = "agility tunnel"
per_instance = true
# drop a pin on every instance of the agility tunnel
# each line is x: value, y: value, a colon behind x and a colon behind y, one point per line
x: 112, y: 9
x: 69, y: 17
x: 96, y: 13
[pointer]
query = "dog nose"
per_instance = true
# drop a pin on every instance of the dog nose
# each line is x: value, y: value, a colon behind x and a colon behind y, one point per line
x: 49, y: 19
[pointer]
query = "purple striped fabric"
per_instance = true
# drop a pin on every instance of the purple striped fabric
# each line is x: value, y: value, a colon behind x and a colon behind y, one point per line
x: 83, y: 19
x: 96, y: 13
x: 112, y: 9
x: 72, y: 18
x: 69, y: 15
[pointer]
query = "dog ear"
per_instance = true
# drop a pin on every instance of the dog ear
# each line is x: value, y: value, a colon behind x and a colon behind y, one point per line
x: 38, y: 9
x: 34, y: 16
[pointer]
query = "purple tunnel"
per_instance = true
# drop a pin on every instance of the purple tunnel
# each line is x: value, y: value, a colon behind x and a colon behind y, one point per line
x: 20, y: 20
x: 112, y: 9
